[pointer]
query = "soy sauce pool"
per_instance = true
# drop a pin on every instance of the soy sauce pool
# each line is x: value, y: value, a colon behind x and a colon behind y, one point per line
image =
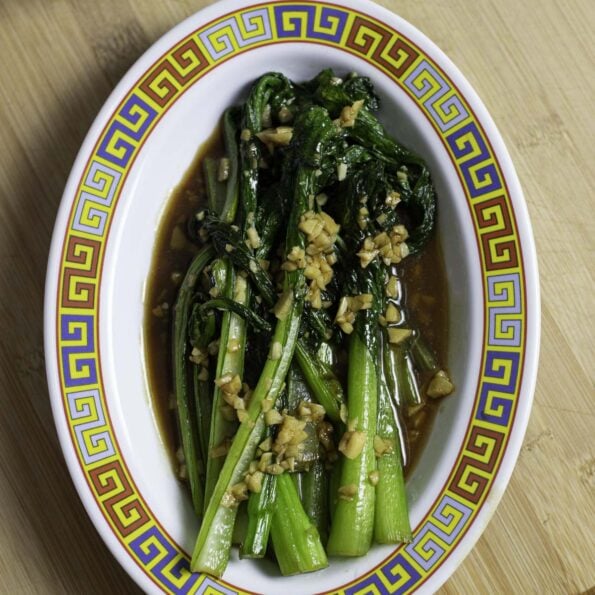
x: 423, y: 282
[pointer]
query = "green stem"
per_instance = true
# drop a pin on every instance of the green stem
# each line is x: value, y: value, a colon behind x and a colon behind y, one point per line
x: 408, y: 387
x: 312, y: 483
x: 295, y: 538
x: 391, y: 517
x: 233, y: 327
x: 185, y: 407
x: 325, y: 387
x: 314, y: 496
x: 353, y: 521
x: 230, y: 134
x: 229, y: 362
x: 202, y: 394
x: 261, y: 508
x: 423, y: 355
x: 215, y: 189
x: 334, y: 485
x: 212, y: 548
x: 211, y: 552
x: 240, y: 525
x: 226, y: 304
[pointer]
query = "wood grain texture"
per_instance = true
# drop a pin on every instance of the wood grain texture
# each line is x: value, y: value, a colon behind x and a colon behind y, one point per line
x: 532, y: 63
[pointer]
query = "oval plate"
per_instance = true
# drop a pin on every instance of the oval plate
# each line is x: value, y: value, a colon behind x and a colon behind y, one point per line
x: 138, y: 149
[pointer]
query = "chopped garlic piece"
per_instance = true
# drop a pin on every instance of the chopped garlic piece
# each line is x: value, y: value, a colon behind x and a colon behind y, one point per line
x: 276, y: 137
x: 349, y: 114
x: 275, y: 469
x: 254, y: 481
x: 233, y: 345
x: 392, y: 287
x: 253, y: 238
x: 393, y: 199
x: 229, y: 385
x: 383, y: 445
x: 398, y: 335
x: 275, y: 351
x: 392, y: 313
x: 266, y: 445
x: 440, y: 385
x: 352, y: 443
x: 283, y: 305
x: 223, y: 169
x: 266, y: 405
x: 347, y: 492
x: 374, y: 477
x: 273, y: 418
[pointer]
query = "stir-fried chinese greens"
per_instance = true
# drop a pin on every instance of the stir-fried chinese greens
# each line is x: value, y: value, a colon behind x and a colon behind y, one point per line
x: 295, y: 361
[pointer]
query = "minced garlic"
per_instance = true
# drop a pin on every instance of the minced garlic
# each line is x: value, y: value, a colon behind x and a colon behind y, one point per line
x: 352, y: 443
x: 383, y: 445
x: 347, y: 492
x: 440, y: 385
x: 374, y: 477
x: 392, y: 287
x: 273, y: 418
x: 390, y: 247
x: 276, y: 137
x: 398, y: 335
x: 275, y: 351
x: 283, y: 305
x: 392, y: 199
x: 349, y: 114
x: 253, y: 237
x: 348, y: 307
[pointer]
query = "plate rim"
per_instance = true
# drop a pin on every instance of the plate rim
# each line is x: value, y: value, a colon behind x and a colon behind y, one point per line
x: 525, y: 239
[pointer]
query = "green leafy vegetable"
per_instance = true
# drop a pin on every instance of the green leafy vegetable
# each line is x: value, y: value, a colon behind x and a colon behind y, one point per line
x: 294, y: 367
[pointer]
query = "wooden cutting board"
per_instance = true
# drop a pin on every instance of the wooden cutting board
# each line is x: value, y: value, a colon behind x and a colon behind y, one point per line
x: 533, y: 64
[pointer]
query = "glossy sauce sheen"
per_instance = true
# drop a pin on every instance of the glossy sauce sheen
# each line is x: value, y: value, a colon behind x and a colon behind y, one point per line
x: 422, y: 276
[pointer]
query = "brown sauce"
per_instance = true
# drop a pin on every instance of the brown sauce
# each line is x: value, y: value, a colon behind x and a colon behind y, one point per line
x: 423, y: 278
x: 426, y: 302
x: 172, y: 254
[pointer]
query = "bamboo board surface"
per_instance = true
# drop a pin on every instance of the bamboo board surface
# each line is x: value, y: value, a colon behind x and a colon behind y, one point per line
x: 532, y: 63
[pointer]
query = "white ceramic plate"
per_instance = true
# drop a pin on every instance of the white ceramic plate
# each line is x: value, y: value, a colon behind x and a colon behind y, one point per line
x: 139, y: 148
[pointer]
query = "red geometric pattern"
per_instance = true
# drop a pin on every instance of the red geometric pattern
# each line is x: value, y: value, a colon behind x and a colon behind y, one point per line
x: 174, y: 73
x: 80, y: 273
x: 118, y: 498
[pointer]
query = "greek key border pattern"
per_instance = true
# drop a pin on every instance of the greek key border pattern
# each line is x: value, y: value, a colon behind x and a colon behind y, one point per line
x: 84, y: 245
